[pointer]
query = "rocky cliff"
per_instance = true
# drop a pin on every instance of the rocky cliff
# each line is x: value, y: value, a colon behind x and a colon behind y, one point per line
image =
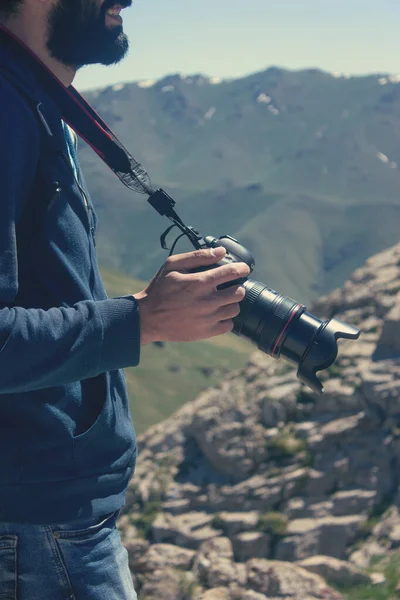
x: 261, y: 489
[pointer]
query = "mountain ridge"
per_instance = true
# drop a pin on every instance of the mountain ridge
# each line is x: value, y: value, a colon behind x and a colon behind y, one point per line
x: 302, y: 167
x: 384, y: 77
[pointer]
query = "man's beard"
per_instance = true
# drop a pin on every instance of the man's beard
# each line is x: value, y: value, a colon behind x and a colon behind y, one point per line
x: 78, y: 34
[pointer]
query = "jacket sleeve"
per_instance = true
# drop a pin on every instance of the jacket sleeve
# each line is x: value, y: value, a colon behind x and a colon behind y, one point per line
x: 44, y: 348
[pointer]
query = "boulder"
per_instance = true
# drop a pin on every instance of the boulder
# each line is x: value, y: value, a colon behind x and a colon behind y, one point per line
x: 160, y: 556
x: 352, y: 502
x: 380, y: 386
x: 296, y: 508
x: 389, y: 528
x: 217, y: 593
x: 254, y: 493
x: 222, y: 572
x: 337, y: 431
x: 164, y: 583
x: 232, y: 447
x: 377, y: 579
x: 237, y: 522
x: 251, y: 544
x: 300, y: 508
x: 339, y: 396
x: 242, y: 594
x: 328, y: 536
x: 189, y: 530
x: 213, y: 552
x: 177, y: 507
x: 275, y: 579
x: 319, y: 483
x: 334, y: 571
x: 277, y: 403
x: 388, y: 345
x: 366, y: 552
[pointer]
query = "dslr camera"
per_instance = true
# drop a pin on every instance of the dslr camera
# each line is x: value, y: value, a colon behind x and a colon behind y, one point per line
x: 278, y: 325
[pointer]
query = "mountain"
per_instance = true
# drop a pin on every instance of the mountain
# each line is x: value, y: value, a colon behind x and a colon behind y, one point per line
x: 263, y: 490
x: 302, y: 167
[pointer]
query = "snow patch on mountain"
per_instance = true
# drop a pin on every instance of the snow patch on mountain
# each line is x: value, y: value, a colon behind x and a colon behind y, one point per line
x: 147, y: 83
x: 264, y: 99
x: 389, y: 79
x: 386, y: 160
x: 118, y: 87
x: 210, y: 113
x: 273, y: 110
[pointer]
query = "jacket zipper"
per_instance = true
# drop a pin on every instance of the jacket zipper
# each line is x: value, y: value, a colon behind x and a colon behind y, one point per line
x: 84, y: 196
x: 67, y: 160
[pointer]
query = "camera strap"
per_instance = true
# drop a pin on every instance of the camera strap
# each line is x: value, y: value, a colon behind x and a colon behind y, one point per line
x: 85, y: 121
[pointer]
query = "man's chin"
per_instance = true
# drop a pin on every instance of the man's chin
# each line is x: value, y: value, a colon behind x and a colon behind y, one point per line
x: 107, y: 48
x: 117, y: 52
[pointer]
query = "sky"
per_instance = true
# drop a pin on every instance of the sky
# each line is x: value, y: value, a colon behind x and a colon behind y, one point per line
x: 231, y: 38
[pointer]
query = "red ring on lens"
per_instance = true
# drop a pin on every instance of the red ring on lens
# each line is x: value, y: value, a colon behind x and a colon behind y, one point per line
x: 294, y: 313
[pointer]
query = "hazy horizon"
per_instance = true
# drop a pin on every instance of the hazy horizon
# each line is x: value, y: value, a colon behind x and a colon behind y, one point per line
x: 149, y: 81
x: 357, y: 37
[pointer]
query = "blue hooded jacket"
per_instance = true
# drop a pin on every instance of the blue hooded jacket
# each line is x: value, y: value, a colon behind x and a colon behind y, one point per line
x: 67, y: 444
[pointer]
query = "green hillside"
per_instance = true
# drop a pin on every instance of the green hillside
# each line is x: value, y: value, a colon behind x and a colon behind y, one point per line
x: 173, y: 373
x: 389, y: 566
x: 302, y: 167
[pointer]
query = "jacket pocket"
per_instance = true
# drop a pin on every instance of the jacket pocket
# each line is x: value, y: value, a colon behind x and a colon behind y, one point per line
x: 109, y: 444
x: 8, y: 567
x: 47, y: 419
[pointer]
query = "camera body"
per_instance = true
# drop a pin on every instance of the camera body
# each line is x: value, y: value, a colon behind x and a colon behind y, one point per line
x: 235, y: 253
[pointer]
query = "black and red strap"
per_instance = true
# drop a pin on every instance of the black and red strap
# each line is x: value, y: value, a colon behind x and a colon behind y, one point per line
x: 85, y: 121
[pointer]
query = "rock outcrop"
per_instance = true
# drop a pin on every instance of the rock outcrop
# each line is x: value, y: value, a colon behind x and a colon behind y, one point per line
x: 262, y: 489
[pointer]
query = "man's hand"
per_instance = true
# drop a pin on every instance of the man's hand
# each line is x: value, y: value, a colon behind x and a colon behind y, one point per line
x: 178, y: 306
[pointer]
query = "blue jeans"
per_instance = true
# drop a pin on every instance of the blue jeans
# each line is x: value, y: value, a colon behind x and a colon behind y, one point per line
x: 83, y: 560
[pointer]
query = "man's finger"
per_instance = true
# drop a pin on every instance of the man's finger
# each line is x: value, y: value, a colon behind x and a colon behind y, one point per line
x: 230, y: 311
x: 228, y: 296
x: 222, y: 327
x: 224, y: 274
x: 193, y: 260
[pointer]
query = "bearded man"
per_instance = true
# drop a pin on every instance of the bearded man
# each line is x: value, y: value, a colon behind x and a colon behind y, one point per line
x: 67, y: 444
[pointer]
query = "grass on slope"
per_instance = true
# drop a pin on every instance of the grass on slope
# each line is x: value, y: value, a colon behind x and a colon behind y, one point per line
x: 390, y: 567
x: 170, y: 375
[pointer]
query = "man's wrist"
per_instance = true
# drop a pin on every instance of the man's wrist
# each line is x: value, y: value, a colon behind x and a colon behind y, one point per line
x: 146, y: 334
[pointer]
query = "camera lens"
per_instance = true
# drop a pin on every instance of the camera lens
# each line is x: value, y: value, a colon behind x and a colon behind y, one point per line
x: 281, y: 327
